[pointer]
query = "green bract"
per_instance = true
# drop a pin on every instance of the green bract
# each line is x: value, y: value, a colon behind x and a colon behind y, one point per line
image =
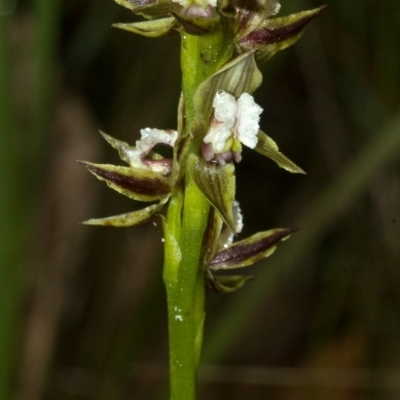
x: 268, y: 148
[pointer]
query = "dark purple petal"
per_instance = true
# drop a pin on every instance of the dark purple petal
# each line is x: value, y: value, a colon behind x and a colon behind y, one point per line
x: 138, y: 184
x: 250, y: 250
x: 275, y: 33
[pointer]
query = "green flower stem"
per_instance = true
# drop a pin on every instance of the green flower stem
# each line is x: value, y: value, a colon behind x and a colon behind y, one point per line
x: 201, y: 57
x: 185, y: 225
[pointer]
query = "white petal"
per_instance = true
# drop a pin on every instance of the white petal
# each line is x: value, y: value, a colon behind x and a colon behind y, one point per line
x: 134, y: 158
x: 248, y: 118
x: 226, y: 235
x: 159, y: 136
x: 237, y: 216
x: 225, y: 108
x: 224, y: 120
x: 217, y: 137
x: 150, y: 137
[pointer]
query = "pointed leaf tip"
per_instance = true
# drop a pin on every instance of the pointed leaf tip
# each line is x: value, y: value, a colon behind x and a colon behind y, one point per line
x: 281, y: 29
x: 268, y: 148
x: 138, y: 184
x: 152, y: 28
x: 275, y: 34
x: 248, y: 251
x: 129, y: 219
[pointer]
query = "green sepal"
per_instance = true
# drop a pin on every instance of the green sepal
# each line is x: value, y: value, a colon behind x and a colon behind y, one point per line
x: 181, y: 144
x: 227, y: 284
x: 129, y: 219
x: 150, y: 8
x: 197, y: 25
x: 135, y: 183
x: 119, y: 145
x: 268, y: 148
x: 218, y: 185
x: 275, y: 34
x: 211, y: 236
x: 238, y: 76
x: 152, y: 28
x: 248, y: 251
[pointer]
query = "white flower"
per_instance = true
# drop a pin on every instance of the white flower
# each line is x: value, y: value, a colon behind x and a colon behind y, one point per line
x: 233, y: 119
x: 150, y: 137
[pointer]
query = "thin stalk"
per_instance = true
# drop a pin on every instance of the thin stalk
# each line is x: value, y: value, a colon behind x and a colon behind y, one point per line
x: 9, y: 217
x: 185, y: 225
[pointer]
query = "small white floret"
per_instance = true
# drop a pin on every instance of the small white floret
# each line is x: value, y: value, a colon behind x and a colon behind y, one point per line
x: 217, y: 137
x: 233, y: 118
x: 150, y: 137
x: 225, y: 108
x: 248, y: 118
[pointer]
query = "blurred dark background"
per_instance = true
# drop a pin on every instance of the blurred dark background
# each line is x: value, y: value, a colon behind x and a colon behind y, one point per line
x: 82, y: 309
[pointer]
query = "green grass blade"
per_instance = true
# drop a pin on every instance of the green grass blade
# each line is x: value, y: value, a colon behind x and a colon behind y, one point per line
x: 9, y: 282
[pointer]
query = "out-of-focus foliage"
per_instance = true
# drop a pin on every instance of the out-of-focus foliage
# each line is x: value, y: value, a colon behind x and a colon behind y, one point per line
x: 84, y: 306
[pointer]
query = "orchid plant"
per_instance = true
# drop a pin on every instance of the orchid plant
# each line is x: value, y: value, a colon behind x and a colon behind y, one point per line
x: 223, y: 44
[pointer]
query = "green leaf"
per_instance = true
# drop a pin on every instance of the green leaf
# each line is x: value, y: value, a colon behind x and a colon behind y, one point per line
x: 136, y: 183
x: 248, y: 251
x: 152, y: 28
x: 268, y: 148
x: 128, y: 219
x: 276, y: 34
x: 238, y: 76
x: 218, y: 185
